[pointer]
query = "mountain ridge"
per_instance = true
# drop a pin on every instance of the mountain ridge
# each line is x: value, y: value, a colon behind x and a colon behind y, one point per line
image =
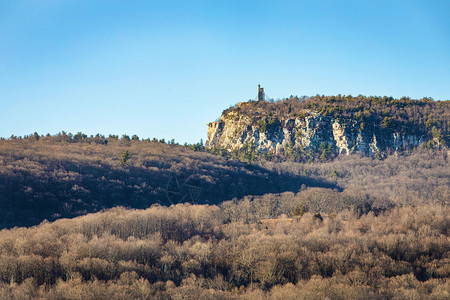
x: 327, y: 126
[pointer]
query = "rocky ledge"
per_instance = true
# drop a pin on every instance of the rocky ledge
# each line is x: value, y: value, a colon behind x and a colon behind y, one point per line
x: 310, y: 131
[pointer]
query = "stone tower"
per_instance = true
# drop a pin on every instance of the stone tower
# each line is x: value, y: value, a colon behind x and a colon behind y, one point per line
x: 260, y: 93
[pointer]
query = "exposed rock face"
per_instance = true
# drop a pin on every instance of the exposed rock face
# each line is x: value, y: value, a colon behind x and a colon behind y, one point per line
x: 233, y: 131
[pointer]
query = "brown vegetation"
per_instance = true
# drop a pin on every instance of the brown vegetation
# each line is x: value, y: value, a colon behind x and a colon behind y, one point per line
x: 195, y: 252
x: 51, y: 178
x: 423, y: 177
x: 352, y: 228
x: 66, y: 176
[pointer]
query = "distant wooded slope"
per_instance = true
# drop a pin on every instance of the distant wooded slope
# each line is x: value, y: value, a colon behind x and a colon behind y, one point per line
x: 61, y: 176
x: 55, y: 177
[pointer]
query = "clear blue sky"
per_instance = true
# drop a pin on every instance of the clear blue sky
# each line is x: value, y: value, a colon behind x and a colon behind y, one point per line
x: 165, y: 69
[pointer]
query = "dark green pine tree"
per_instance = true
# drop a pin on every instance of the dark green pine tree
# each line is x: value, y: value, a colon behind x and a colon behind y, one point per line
x: 125, y: 157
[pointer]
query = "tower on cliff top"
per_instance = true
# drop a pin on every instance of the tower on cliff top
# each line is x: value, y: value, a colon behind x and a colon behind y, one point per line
x: 260, y: 93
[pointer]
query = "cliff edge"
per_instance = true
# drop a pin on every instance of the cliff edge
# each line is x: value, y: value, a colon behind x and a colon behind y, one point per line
x: 326, y: 126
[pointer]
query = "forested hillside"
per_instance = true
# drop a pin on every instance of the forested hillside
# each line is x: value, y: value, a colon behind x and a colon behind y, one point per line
x: 62, y: 176
x: 198, y: 252
x: 66, y: 176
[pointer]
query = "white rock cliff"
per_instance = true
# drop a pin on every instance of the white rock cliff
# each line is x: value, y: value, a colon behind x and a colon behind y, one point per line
x: 233, y: 131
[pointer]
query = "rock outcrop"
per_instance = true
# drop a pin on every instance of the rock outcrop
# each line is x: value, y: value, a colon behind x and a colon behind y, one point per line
x: 310, y: 131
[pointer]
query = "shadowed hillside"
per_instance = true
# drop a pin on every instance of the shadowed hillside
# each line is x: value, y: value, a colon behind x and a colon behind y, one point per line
x: 54, y: 177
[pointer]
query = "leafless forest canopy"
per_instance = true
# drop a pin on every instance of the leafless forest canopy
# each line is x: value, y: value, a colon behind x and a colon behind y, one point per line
x: 351, y: 228
x: 209, y: 252
x: 52, y: 177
